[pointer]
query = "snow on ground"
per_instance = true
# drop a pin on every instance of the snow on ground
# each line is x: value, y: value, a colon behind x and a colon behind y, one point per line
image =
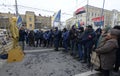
x: 44, y: 64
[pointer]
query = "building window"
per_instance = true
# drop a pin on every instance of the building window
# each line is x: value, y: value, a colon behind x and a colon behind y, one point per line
x: 30, y: 19
x: 81, y: 20
x: 88, y: 14
x: 88, y: 19
x: 92, y: 13
x: 95, y: 14
x: 98, y: 14
x: 30, y: 25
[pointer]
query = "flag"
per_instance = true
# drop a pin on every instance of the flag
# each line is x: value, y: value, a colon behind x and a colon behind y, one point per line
x: 56, y: 19
x: 19, y: 21
x: 98, y: 21
x: 57, y: 16
x: 78, y: 24
x: 80, y: 10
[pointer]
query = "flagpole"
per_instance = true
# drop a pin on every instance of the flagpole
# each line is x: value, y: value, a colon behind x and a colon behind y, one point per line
x: 76, y: 8
x: 87, y: 13
x: 16, y: 8
x: 102, y: 13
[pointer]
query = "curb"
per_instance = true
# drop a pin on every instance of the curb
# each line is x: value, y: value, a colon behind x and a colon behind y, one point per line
x: 2, y: 62
x: 40, y: 50
x: 34, y: 51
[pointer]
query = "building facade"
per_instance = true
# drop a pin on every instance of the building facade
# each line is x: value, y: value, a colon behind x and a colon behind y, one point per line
x: 71, y: 21
x: 29, y: 20
x: 116, y: 18
x: 110, y: 17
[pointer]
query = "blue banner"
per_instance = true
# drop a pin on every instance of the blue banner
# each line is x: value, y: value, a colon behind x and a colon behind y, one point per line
x: 19, y: 21
x: 57, y: 17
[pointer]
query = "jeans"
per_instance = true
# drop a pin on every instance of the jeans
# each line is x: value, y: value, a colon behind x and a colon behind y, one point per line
x: 80, y: 50
x: 106, y: 73
x: 87, y: 52
x: 22, y: 44
x: 56, y: 44
x: 65, y: 45
x: 73, y: 47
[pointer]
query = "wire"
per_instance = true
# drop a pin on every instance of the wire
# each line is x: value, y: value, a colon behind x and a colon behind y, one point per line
x: 82, y: 2
x: 32, y: 8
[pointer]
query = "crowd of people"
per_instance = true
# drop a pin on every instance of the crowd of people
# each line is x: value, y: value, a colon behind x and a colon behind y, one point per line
x: 79, y: 43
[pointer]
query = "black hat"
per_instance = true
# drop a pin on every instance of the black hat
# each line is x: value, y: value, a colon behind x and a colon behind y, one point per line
x: 89, y: 26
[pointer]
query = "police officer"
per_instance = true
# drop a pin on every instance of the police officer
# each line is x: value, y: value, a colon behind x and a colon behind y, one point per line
x: 56, y: 38
x: 65, y: 35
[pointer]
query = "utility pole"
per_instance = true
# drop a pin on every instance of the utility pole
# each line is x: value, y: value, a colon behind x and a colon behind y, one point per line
x: 87, y: 13
x: 16, y: 8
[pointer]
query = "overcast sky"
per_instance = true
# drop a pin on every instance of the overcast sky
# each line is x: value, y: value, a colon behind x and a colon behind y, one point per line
x: 66, y: 6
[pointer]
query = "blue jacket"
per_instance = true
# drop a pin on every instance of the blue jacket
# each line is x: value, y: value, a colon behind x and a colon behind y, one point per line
x: 50, y: 35
x: 22, y: 35
x: 45, y: 36
x: 37, y: 35
x: 56, y: 35
x: 65, y: 35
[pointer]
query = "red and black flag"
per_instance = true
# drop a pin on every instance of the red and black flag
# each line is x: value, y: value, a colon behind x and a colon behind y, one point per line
x: 98, y: 21
x: 80, y: 10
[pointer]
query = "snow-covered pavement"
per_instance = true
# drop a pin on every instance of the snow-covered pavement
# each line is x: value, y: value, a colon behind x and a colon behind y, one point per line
x: 47, y: 62
x: 44, y: 64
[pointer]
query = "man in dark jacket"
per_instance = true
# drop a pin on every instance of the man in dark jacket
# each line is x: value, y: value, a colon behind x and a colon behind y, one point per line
x: 40, y: 38
x: 22, y: 35
x: 98, y: 34
x: 73, y: 37
x: 31, y: 37
x: 65, y: 35
x: 88, y: 42
x: 45, y: 38
x: 37, y: 37
x: 51, y: 36
x: 79, y: 44
x: 56, y: 38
